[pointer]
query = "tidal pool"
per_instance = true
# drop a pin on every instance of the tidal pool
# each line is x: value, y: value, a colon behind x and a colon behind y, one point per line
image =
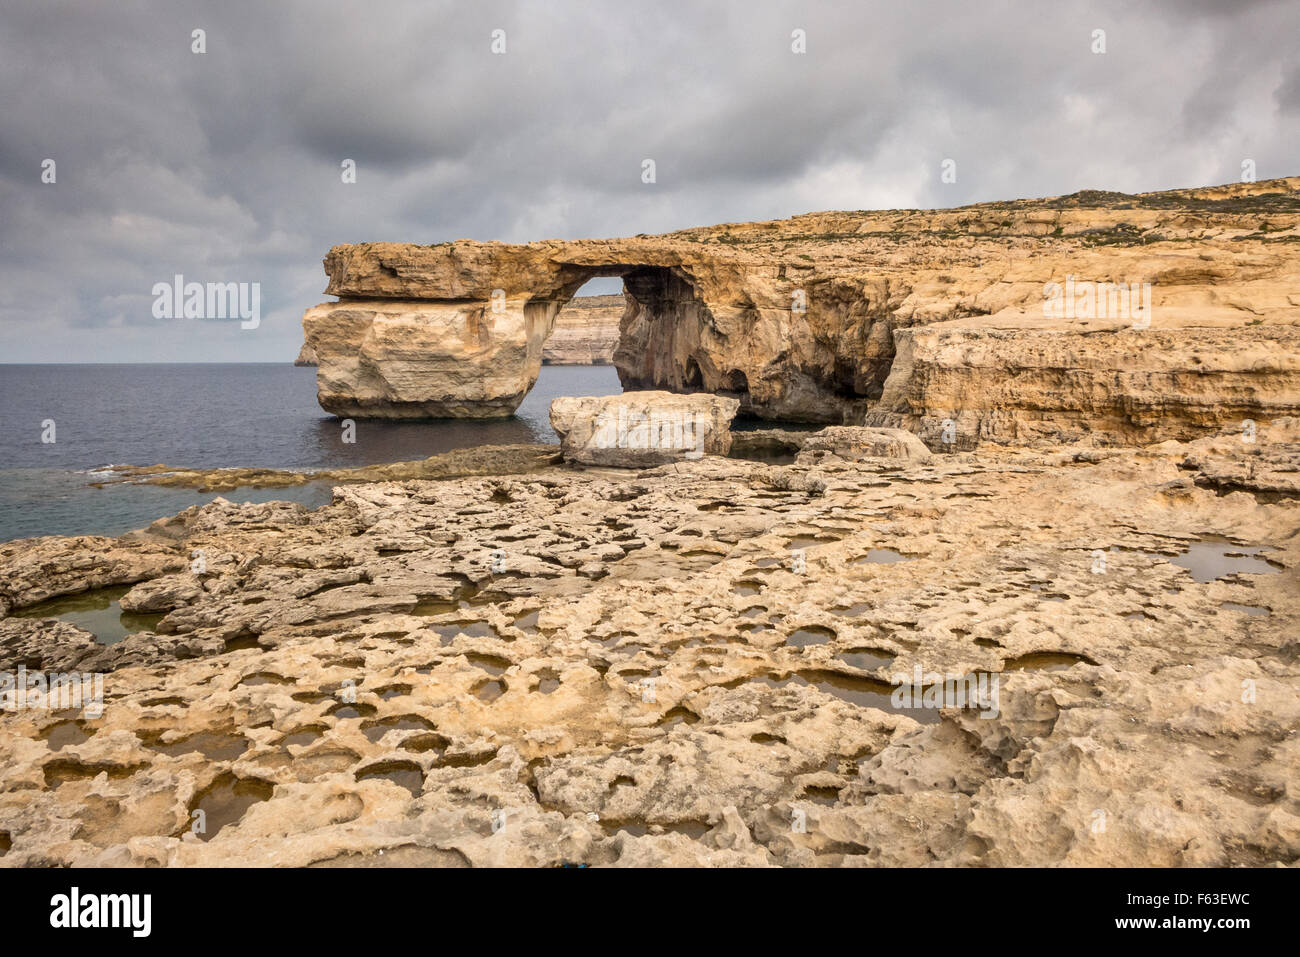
x: 98, y: 611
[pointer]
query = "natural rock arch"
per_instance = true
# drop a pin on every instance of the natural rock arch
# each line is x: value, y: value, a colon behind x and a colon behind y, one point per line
x: 933, y: 320
x: 402, y: 344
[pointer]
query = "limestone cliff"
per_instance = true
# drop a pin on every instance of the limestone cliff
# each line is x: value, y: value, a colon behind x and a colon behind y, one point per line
x: 586, y: 332
x: 990, y: 322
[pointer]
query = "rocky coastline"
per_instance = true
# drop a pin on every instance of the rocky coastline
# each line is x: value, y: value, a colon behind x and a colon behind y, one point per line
x: 694, y: 663
x: 994, y: 586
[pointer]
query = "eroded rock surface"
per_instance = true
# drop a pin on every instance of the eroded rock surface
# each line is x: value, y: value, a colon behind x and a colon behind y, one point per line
x: 931, y: 320
x: 423, y: 360
x: 688, y: 665
x: 586, y: 332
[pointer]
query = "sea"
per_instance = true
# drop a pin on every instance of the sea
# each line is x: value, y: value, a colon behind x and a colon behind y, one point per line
x: 62, y: 425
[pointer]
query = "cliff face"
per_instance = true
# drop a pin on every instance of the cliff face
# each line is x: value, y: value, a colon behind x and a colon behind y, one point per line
x: 586, y: 332
x: 987, y: 322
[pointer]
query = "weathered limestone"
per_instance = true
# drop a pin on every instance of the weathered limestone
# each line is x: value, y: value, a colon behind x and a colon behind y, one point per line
x: 586, y: 332
x: 669, y: 667
x: 906, y: 318
x: 1017, y: 383
x: 855, y: 443
x: 410, y: 360
x: 642, y: 429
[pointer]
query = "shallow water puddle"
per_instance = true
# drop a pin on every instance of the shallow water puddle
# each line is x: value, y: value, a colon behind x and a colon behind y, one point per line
x: 311, y: 697
x: 868, y: 659
x: 1209, y: 560
x: 98, y: 611
x: 811, y: 541
x: 882, y: 556
x: 375, y: 730
x: 351, y: 710
x: 63, y: 770
x: 393, y: 691
x: 527, y: 623
x: 66, y: 734
x: 1140, y: 616
x: 812, y: 635
x: 1045, y: 661
x: 226, y: 801
x: 405, y: 774
x: 303, y: 736
x: 853, y: 611
x: 213, y: 745
x: 490, y: 690
x: 1247, y: 609
x: 747, y: 588
x: 860, y: 691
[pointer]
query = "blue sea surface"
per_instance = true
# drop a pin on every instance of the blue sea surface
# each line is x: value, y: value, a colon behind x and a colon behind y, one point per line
x: 207, y: 416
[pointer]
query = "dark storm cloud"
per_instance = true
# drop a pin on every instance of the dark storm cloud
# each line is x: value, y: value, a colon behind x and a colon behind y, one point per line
x: 225, y: 166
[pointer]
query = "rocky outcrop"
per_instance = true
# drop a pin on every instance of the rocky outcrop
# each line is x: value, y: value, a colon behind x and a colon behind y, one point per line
x: 456, y: 463
x: 306, y: 356
x: 642, y: 429
x: 422, y: 360
x: 984, y: 323
x: 856, y: 443
x: 586, y: 332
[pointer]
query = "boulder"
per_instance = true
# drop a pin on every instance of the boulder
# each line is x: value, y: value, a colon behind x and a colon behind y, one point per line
x: 857, y: 442
x: 642, y: 429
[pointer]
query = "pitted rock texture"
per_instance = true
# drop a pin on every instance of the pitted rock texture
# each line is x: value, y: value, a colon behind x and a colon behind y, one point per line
x: 932, y: 320
x: 642, y: 429
x: 688, y: 665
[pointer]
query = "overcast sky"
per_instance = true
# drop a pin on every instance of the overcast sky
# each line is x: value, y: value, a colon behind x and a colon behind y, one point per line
x: 225, y: 166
